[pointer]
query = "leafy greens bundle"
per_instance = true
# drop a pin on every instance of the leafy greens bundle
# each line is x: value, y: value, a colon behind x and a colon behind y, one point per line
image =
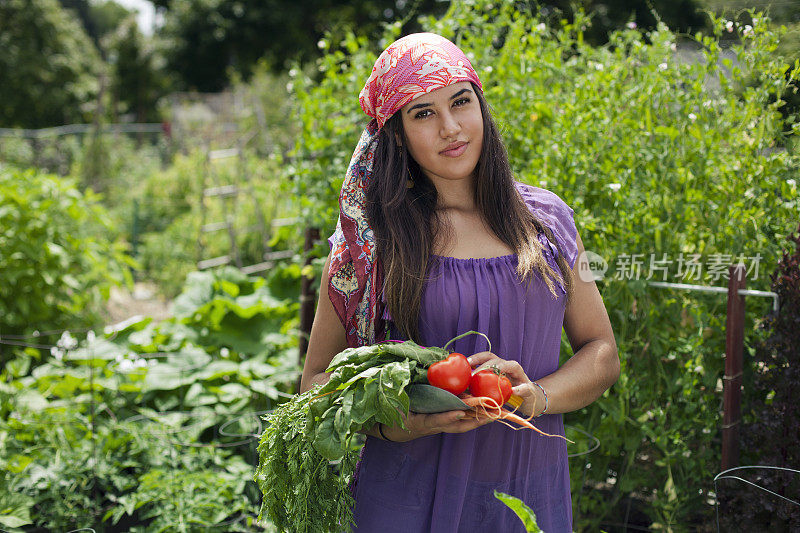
x: 306, y: 453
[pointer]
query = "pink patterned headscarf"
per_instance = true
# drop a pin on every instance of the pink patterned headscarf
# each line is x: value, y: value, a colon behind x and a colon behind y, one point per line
x: 409, y: 68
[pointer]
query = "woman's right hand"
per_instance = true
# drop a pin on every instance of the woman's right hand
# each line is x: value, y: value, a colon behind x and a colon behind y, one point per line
x: 422, y: 425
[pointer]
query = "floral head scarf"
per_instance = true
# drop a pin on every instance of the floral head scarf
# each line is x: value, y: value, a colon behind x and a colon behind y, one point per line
x: 409, y: 68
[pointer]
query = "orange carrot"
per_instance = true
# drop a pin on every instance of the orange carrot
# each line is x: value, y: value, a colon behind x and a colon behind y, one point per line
x: 490, y: 409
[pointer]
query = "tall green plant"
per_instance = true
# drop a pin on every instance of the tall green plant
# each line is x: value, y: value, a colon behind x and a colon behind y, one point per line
x: 59, y: 257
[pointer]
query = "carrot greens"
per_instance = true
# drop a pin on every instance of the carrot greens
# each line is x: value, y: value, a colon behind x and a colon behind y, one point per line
x: 302, y: 491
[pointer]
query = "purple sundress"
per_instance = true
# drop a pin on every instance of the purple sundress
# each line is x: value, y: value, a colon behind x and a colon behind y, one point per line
x: 445, y: 483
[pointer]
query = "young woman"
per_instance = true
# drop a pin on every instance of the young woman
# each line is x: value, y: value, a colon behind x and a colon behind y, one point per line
x: 435, y: 238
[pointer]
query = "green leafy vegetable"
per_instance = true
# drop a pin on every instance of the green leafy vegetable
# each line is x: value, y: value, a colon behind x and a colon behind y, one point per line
x: 367, y: 386
x: 303, y: 492
x: 307, y: 454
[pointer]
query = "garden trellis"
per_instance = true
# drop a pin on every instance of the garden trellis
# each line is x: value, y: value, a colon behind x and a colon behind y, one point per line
x: 227, y: 196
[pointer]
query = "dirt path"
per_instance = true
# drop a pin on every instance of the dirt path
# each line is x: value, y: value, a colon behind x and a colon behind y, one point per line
x: 142, y: 300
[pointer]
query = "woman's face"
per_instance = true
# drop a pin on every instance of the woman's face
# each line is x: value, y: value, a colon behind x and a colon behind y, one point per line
x: 444, y: 131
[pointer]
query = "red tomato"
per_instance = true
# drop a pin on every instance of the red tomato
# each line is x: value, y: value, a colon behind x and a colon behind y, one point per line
x: 490, y: 383
x: 451, y: 374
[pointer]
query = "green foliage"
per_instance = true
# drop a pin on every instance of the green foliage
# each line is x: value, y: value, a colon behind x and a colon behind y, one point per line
x: 66, y: 469
x: 367, y: 386
x: 690, y: 151
x: 787, y: 47
x: 168, y: 215
x: 110, y: 163
x: 16, y: 151
x: 169, y: 255
x: 229, y: 346
x: 269, y: 114
x: 55, y: 53
x: 57, y: 260
x: 780, y: 12
x: 98, y: 17
x: 608, y: 16
x: 330, y: 122
x: 165, y: 195
x: 149, y: 426
x: 200, y: 496
x: 139, y: 80
x: 524, y: 512
x: 48, y: 68
x: 15, y: 509
x: 302, y: 491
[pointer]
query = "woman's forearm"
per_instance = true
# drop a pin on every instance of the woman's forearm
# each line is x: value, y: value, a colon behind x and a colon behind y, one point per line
x: 316, y: 379
x: 582, y: 379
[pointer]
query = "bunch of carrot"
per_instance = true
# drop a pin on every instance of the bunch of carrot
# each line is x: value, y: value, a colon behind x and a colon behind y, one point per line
x: 484, y: 407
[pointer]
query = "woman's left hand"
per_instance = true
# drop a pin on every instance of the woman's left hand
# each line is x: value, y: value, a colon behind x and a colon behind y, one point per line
x: 521, y: 385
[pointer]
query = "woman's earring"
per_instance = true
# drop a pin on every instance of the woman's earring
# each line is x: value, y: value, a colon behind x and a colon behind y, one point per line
x: 410, y: 182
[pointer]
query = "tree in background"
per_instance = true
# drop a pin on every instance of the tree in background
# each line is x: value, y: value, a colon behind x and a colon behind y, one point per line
x: 107, y: 17
x: 98, y: 17
x: 139, y: 79
x: 203, y: 39
x: 48, y: 66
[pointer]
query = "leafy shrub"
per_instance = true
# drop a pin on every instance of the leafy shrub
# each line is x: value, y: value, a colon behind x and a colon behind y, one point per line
x: 659, y: 156
x: 774, y: 412
x: 169, y: 215
x: 115, y: 164
x: 59, y: 258
x: 70, y: 470
x: 149, y: 426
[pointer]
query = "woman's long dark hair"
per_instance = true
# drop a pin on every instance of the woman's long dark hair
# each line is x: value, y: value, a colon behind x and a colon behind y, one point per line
x: 406, y: 223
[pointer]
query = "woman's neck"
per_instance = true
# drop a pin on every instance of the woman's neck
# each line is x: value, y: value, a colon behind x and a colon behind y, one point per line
x: 455, y: 194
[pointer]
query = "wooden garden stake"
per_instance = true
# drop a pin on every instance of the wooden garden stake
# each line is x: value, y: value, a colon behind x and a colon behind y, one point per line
x: 308, y: 298
x: 732, y: 380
